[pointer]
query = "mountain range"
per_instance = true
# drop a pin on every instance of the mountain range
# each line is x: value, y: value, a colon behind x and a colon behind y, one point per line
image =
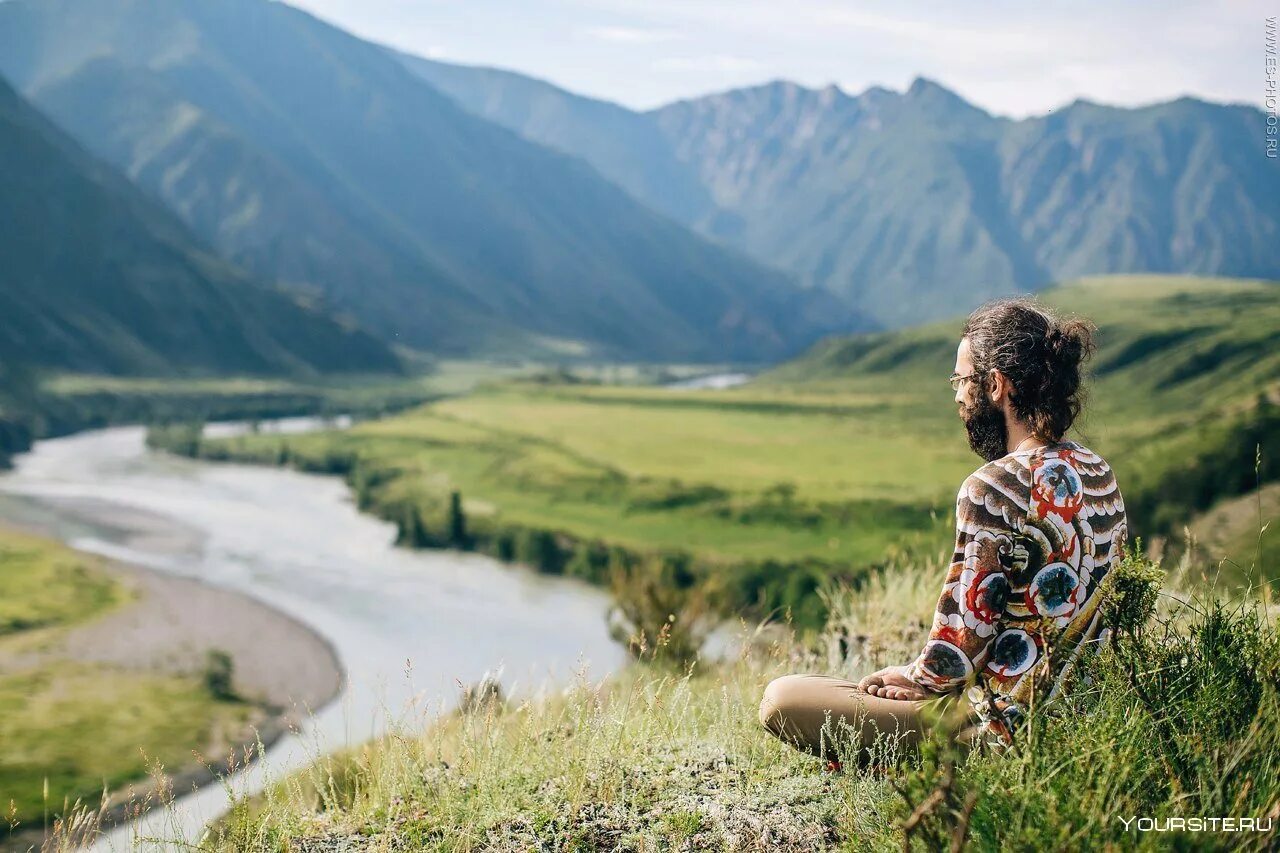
x: 471, y: 211
x: 314, y: 158
x: 916, y: 205
x: 97, y: 277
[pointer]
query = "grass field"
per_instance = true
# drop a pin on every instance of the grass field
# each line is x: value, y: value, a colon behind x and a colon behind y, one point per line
x: 1183, y: 390
x: 70, y: 729
x: 822, y: 465
x: 48, y: 587
x: 764, y: 498
x: 37, y: 405
x: 657, y: 759
x: 75, y: 730
x: 1238, y: 534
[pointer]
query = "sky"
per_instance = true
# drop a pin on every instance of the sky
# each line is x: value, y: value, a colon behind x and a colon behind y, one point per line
x: 1012, y: 58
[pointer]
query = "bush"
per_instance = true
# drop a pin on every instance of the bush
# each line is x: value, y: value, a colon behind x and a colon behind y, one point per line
x: 659, y: 611
x: 182, y: 439
x: 219, y: 676
x: 457, y: 522
x: 1131, y: 591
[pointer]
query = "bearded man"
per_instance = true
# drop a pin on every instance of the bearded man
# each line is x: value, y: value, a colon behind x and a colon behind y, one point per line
x: 1038, y: 527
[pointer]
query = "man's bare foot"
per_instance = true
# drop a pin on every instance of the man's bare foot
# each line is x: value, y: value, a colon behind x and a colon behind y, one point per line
x: 892, y: 683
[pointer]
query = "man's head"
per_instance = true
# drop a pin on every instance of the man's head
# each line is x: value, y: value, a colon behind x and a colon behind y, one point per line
x: 1018, y: 364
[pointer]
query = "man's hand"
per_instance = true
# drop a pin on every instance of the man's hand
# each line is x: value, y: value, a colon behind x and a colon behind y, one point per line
x: 892, y: 683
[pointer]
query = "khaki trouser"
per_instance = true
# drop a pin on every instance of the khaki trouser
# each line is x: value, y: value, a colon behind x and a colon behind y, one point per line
x: 831, y: 718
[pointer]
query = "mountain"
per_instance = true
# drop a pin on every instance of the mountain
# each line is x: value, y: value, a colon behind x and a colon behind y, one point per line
x: 314, y: 158
x: 98, y: 278
x: 916, y: 205
x: 619, y: 143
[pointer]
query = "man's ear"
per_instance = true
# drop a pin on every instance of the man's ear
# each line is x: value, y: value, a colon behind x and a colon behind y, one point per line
x: 999, y: 389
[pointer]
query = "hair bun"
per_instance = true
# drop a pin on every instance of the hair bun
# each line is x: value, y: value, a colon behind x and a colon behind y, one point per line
x: 1041, y: 356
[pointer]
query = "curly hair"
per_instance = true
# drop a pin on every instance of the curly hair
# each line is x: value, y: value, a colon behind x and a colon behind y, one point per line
x: 1039, y: 353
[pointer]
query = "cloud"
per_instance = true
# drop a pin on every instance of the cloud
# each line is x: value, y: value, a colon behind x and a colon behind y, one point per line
x: 1009, y: 56
x: 716, y: 62
x: 632, y: 35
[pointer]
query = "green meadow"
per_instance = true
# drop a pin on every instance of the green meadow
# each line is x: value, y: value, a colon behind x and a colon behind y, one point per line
x: 41, y: 404
x: 821, y: 468
x: 72, y: 729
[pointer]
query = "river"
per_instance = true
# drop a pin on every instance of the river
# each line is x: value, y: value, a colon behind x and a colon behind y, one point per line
x: 711, y: 382
x: 408, y: 626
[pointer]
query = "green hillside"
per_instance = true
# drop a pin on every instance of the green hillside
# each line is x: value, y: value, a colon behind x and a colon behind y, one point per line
x: 1185, y: 382
x: 824, y: 467
x: 99, y: 279
x: 656, y: 759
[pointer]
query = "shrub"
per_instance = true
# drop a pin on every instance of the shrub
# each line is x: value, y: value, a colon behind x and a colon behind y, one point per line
x: 183, y: 439
x: 219, y: 676
x: 457, y: 522
x: 1131, y: 590
x: 659, y: 612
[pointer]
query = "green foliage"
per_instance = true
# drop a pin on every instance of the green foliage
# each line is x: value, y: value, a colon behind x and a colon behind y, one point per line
x: 660, y: 612
x: 1218, y: 458
x: 1132, y: 588
x: 182, y: 439
x: 457, y: 521
x: 219, y: 676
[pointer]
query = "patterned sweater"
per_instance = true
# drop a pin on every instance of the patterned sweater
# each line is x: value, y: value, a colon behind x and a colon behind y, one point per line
x: 1036, y: 532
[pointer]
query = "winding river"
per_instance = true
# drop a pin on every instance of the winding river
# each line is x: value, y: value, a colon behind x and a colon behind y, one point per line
x: 408, y: 626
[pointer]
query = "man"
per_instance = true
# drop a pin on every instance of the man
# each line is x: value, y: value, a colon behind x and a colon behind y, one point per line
x: 1037, y: 528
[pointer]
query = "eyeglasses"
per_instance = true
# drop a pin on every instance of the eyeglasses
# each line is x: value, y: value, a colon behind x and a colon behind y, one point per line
x: 956, y: 380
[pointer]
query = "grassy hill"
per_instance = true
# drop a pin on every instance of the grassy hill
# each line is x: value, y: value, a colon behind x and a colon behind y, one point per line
x: 663, y: 759
x: 1185, y: 382
x: 823, y: 468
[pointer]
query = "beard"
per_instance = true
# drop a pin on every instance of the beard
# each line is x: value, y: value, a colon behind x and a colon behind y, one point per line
x: 988, y: 432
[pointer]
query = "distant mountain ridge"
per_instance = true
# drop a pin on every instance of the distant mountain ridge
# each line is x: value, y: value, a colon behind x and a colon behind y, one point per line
x: 917, y: 205
x: 96, y: 277
x: 311, y: 157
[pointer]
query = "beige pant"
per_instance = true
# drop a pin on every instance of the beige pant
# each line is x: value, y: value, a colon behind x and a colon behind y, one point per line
x: 832, y: 718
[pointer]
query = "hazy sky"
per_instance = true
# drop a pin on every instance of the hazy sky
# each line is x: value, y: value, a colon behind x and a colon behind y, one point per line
x: 1014, y: 58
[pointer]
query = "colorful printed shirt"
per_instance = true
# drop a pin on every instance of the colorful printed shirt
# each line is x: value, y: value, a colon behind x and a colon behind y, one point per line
x: 1036, y: 532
